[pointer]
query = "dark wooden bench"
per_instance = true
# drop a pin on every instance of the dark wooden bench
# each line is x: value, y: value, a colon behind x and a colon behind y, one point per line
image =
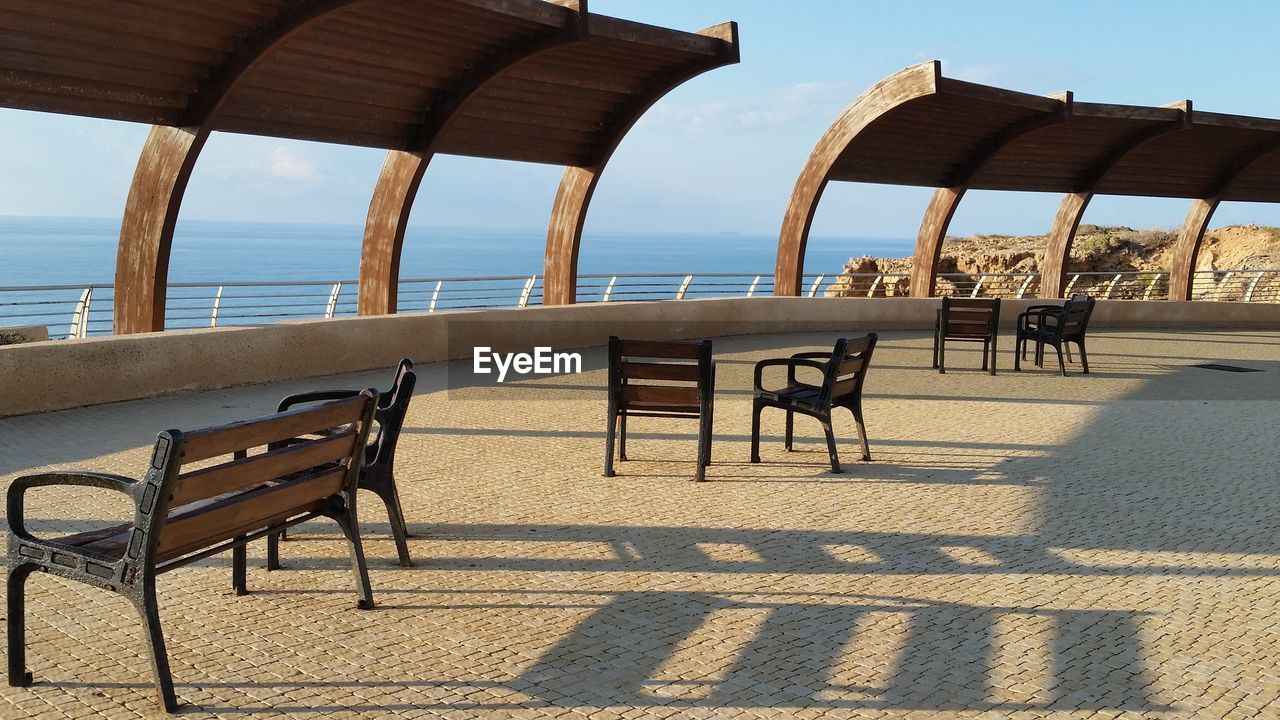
x: 641, y: 377
x: 967, y: 320
x: 202, y: 494
x: 1055, y: 325
x: 377, y: 474
x: 843, y: 371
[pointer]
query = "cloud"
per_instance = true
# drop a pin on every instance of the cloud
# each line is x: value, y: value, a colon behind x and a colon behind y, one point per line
x: 291, y: 164
x: 775, y: 108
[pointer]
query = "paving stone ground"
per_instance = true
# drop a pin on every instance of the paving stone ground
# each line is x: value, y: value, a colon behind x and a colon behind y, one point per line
x: 1021, y: 546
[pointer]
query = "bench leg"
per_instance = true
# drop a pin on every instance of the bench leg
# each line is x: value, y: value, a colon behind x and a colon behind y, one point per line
x: 704, y: 448
x: 610, y: 434
x: 986, y: 353
x: 942, y: 357
x: 831, y: 445
x: 399, y: 532
x: 149, y: 609
x: 1084, y: 357
x: 239, y: 559
x: 755, y: 432
x: 19, y: 676
x: 788, y: 439
x: 346, y: 519
x: 1019, y: 352
x: 1061, y: 365
x: 993, y: 354
x: 856, y: 409
x: 622, y: 437
x: 273, y: 550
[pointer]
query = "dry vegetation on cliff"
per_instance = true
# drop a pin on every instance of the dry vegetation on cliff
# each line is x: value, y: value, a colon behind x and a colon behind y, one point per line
x: 1100, y: 249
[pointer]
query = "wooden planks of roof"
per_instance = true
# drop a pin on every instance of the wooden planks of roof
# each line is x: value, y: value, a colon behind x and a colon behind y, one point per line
x: 529, y: 80
x: 918, y: 127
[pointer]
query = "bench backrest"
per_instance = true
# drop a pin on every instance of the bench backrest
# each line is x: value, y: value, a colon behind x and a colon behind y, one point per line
x: 847, y: 368
x: 393, y: 405
x: 1075, y: 316
x: 210, y: 488
x: 651, y: 376
x: 970, y: 317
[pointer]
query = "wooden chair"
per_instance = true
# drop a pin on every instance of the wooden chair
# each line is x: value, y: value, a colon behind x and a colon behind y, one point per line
x: 641, y: 387
x: 377, y: 474
x: 843, y: 371
x: 187, y: 508
x: 1055, y: 325
x: 967, y: 320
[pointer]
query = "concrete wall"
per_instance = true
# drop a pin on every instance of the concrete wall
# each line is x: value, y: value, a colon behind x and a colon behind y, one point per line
x: 54, y: 375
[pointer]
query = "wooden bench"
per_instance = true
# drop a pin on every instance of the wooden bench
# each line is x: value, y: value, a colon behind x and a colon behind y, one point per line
x: 843, y: 371
x: 203, y: 493
x: 1054, y: 325
x: 641, y: 387
x: 967, y: 320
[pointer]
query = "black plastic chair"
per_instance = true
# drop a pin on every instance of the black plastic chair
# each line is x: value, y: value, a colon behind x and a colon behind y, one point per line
x: 377, y: 475
x: 843, y: 371
x: 1055, y: 325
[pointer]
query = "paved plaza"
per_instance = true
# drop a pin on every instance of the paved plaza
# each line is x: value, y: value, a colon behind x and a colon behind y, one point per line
x: 1024, y: 545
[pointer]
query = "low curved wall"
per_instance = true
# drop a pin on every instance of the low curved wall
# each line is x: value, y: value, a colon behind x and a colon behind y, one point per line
x: 61, y: 374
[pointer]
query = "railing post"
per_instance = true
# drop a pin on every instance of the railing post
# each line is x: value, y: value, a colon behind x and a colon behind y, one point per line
x: 875, y: 284
x: 1111, y: 289
x: 1248, y: 294
x: 333, y: 299
x: 217, y: 305
x: 528, y: 290
x: 608, y: 291
x: 813, y: 289
x: 80, y: 318
x: 1071, y: 285
x: 1151, y: 286
x: 1022, y: 291
x: 684, y: 287
x: 435, y: 295
x: 752, y: 290
x: 977, y: 287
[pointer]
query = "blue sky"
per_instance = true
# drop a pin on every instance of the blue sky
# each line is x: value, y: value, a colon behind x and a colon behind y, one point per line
x: 722, y: 152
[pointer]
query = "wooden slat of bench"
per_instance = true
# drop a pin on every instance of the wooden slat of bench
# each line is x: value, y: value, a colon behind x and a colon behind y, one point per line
x: 663, y: 394
x: 226, y: 439
x: 256, y: 469
x: 848, y: 367
x: 660, y: 410
x: 659, y: 371
x: 655, y: 349
x: 227, y: 517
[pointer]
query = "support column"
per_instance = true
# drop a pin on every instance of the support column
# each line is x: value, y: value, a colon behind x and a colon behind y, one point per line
x: 146, y: 233
x: 384, y: 229
x: 933, y: 230
x: 1188, y: 247
x: 564, y: 235
x: 1053, y: 273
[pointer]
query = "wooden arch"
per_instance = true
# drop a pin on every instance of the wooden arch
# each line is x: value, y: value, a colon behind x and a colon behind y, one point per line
x: 164, y: 168
x: 1186, y: 250
x: 898, y: 89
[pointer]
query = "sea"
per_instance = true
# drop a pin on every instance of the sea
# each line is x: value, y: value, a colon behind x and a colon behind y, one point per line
x: 82, y: 251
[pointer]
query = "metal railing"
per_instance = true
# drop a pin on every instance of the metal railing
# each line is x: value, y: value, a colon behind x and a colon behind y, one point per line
x: 79, y: 311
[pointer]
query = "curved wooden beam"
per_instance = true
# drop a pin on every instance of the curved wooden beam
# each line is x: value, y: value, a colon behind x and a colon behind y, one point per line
x: 1187, y: 249
x: 573, y: 198
x: 403, y: 170
x: 898, y: 89
x: 1066, y: 221
x: 164, y: 169
x: 945, y: 200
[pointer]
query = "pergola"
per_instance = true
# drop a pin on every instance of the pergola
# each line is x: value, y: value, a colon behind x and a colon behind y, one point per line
x: 917, y: 127
x: 544, y: 82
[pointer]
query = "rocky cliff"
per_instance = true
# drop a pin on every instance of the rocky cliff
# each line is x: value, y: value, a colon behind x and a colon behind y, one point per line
x: 1096, y: 249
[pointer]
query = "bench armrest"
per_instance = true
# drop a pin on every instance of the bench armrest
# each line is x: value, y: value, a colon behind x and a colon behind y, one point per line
x: 18, y: 489
x: 790, y: 363
x: 306, y: 397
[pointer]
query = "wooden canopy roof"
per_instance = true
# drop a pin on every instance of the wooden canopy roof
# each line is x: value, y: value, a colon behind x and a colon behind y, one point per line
x: 917, y: 127
x: 360, y: 72
x: 941, y: 132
